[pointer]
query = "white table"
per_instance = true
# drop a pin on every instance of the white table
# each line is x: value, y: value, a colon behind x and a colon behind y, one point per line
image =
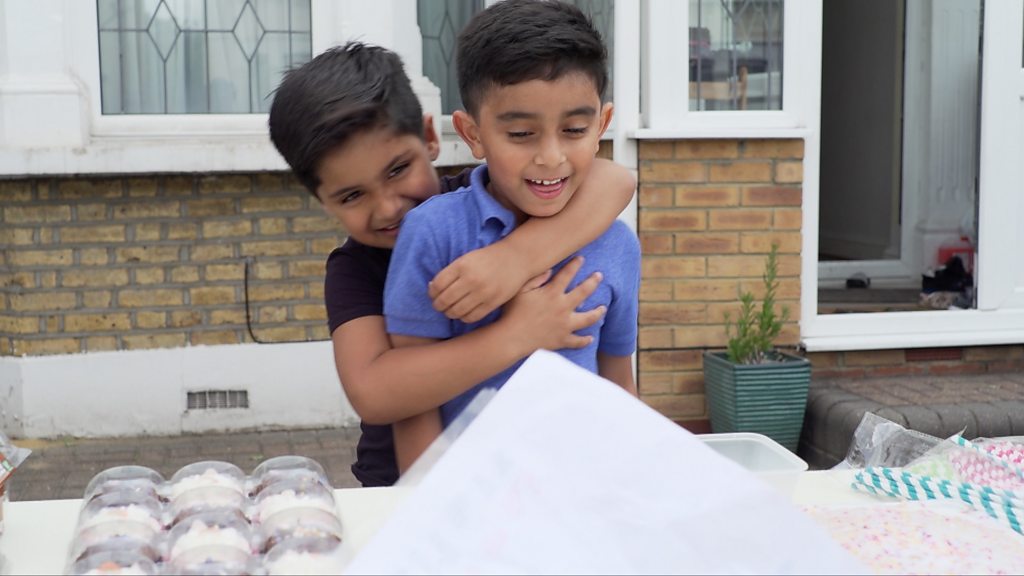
x: 38, y: 533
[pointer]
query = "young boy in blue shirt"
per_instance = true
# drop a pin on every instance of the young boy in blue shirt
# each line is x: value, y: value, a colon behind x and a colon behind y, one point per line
x: 353, y: 132
x: 531, y: 76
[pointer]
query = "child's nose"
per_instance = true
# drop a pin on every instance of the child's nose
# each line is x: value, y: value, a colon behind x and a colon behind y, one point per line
x: 550, y: 153
x: 390, y: 206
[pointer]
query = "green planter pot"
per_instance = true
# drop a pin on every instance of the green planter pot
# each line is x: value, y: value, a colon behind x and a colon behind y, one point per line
x: 769, y: 399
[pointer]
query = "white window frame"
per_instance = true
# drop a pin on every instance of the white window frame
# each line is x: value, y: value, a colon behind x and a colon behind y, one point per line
x: 666, y: 95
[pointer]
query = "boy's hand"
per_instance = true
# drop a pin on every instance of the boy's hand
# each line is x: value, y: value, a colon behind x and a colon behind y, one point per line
x: 545, y: 316
x: 477, y: 283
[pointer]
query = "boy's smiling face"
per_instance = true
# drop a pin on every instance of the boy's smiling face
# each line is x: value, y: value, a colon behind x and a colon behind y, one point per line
x: 539, y: 138
x: 371, y: 181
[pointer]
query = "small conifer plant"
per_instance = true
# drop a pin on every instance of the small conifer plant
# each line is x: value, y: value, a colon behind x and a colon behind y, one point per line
x: 752, y: 336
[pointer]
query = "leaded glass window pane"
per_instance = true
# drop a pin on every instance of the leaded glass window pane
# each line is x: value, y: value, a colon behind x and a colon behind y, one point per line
x: 736, y: 54
x: 198, y: 56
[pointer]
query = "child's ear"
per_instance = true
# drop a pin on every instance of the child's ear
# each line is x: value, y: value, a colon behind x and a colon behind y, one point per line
x: 469, y: 130
x: 430, y: 137
x: 604, y: 119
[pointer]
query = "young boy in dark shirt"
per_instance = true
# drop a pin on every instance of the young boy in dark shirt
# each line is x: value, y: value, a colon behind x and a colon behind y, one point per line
x: 353, y: 132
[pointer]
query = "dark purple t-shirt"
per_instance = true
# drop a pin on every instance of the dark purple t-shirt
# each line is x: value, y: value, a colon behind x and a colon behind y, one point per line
x: 354, y: 288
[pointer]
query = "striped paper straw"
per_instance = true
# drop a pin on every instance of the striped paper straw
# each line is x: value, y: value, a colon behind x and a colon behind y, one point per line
x: 964, y: 442
x: 999, y: 504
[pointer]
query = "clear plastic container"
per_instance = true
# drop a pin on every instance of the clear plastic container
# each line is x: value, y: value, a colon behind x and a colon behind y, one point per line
x: 121, y: 544
x: 289, y: 494
x: 287, y: 468
x: 114, y: 562
x: 298, y: 523
x: 206, y: 474
x: 215, y: 536
x: 117, y: 516
x: 124, y: 478
x: 252, y: 566
x: 305, y: 556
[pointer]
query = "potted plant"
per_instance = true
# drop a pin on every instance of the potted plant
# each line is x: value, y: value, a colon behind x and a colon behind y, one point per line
x: 752, y: 386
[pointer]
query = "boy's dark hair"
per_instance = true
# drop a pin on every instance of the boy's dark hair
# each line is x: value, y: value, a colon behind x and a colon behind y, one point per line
x: 344, y: 91
x: 516, y: 41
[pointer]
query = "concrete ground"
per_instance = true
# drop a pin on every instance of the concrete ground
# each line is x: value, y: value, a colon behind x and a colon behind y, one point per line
x: 62, y: 468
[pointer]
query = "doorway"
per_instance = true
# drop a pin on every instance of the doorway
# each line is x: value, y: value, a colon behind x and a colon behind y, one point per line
x: 899, y: 142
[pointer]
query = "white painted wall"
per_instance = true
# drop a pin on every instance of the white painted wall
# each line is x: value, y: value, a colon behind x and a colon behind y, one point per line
x: 144, y: 392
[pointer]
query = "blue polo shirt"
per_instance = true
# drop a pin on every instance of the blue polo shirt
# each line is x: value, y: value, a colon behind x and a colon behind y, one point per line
x: 449, y: 225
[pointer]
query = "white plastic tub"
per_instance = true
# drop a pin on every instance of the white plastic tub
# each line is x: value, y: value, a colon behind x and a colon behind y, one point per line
x: 761, y: 455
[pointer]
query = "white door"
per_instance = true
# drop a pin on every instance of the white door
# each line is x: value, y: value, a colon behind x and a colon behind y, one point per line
x: 1001, y: 175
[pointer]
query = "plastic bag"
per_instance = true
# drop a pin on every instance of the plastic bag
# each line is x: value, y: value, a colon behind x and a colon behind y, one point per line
x: 10, y: 457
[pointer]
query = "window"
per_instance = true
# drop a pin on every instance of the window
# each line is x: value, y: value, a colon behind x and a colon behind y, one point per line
x: 198, y: 56
x: 735, y: 54
x: 440, y: 22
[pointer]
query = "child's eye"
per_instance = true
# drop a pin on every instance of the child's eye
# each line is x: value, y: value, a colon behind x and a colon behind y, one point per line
x: 397, y: 170
x: 519, y: 135
x: 577, y: 131
x: 351, y: 196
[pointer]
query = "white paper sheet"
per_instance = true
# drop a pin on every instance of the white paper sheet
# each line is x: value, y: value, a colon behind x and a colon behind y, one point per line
x: 563, y: 472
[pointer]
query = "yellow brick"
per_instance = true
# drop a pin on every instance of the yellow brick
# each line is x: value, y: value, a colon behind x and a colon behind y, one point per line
x: 788, y: 289
x: 148, y: 209
x: 185, y: 274
x: 151, y: 341
x: 273, y: 226
x: 694, y: 196
x: 142, y: 187
x: 315, y: 291
x: 19, y: 280
x: 210, y: 295
x: 655, y: 149
x: 273, y: 248
x: 209, y: 252
x: 718, y: 310
x: 48, y: 279
x: 305, y: 224
x: 705, y: 290
x: 19, y: 324
x: 225, y: 185
x: 186, y: 318
x: 658, y: 383
x: 214, y: 272
x: 48, y: 235
x: 211, y: 207
x: 227, y: 228
x: 749, y: 266
x: 38, y: 301
x: 268, y: 271
x: 672, y: 220
x: 16, y: 190
x: 219, y: 317
x: 91, y: 234
x: 92, y: 188
x: 148, y: 276
x: 669, y: 360
x: 664, y: 171
x: 271, y: 314
x: 100, y: 343
x: 788, y: 219
x: 740, y: 219
x: 90, y: 212
x: 772, y: 196
x: 270, y: 292
x: 324, y: 245
x: 147, y: 254
x: 874, y: 358
x: 147, y: 231
x: 773, y: 149
x: 761, y: 242
x: 824, y: 359
x: 51, y: 324
x: 707, y: 149
x: 307, y: 268
x: 102, y: 277
x: 655, y: 290
x: 699, y: 337
x: 672, y: 267
x: 46, y: 347
x: 271, y: 182
x: 789, y: 172
x: 655, y: 197
x: 215, y: 338
x: 309, y: 312
x: 707, y: 243
x: 150, y: 297
x: 655, y: 313
x: 989, y: 353
x: 36, y: 214
x: 288, y: 203
x: 18, y: 236
x: 741, y: 172
x: 41, y: 257
x: 281, y: 334
x: 182, y: 231
x: 676, y: 407
x: 146, y: 320
x: 97, y: 299
x: 178, y: 185
x: 656, y: 243
x: 654, y: 337
x: 96, y: 322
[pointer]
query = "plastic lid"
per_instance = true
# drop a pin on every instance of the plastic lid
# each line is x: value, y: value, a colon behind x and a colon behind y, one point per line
x: 305, y: 556
x: 122, y: 478
x: 288, y: 468
x: 206, y: 473
x: 114, y: 562
x: 225, y: 533
x: 288, y: 494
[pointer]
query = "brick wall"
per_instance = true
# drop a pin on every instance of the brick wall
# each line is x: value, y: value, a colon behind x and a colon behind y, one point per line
x: 120, y: 263
x: 709, y: 211
x: 917, y: 362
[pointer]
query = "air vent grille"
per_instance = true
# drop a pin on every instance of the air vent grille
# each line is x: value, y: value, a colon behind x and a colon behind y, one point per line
x: 210, y: 399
